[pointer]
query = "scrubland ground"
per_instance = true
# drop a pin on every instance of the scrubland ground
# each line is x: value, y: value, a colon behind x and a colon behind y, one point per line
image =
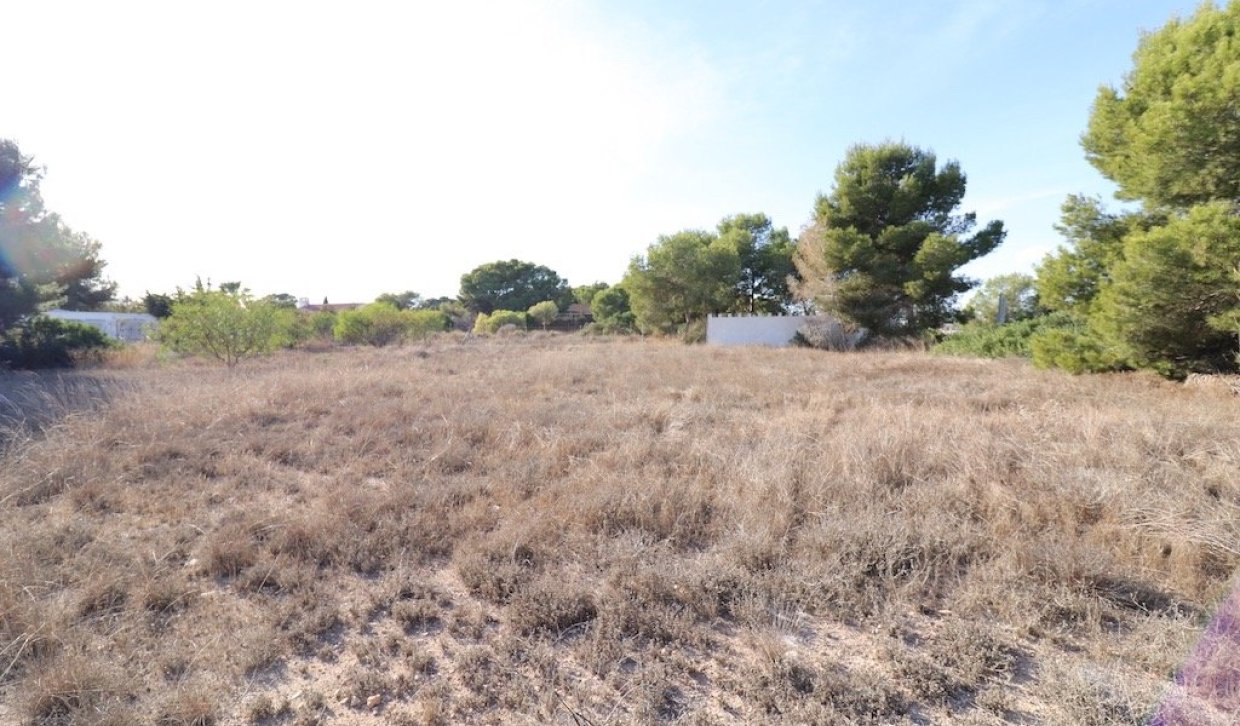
x: 558, y: 530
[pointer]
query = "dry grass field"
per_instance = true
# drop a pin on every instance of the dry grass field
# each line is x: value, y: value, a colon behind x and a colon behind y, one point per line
x: 558, y: 530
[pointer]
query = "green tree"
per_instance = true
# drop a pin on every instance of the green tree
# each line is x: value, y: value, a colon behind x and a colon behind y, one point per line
x: 42, y: 262
x: 611, y: 304
x: 765, y: 254
x: 1154, y: 288
x: 1166, y: 294
x: 407, y: 300
x: 1069, y: 279
x: 544, y: 313
x: 512, y: 285
x: 157, y: 304
x: 885, y: 244
x: 681, y: 279
x: 1170, y: 134
x: 226, y: 326
x: 281, y: 300
x: 1018, y: 291
x: 584, y: 294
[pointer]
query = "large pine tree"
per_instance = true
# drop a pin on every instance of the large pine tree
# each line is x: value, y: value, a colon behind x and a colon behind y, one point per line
x: 1157, y: 287
x: 42, y: 261
x: 885, y: 244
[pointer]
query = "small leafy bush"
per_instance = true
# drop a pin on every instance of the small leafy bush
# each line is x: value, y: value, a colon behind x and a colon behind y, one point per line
x: 227, y: 326
x: 544, y: 313
x: 323, y: 323
x: 492, y: 323
x: 43, y: 342
x: 380, y: 324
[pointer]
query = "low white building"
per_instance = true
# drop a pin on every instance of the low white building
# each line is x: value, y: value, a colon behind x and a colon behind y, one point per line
x: 772, y: 330
x: 127, y: 327
x: 775, y: 330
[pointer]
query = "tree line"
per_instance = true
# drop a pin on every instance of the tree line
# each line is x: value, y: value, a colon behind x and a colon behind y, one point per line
x: 1155, y: 284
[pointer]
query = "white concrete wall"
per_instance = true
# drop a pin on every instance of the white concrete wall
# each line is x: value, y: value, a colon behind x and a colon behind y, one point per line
x: 129, y: 327
x: 772, y: 330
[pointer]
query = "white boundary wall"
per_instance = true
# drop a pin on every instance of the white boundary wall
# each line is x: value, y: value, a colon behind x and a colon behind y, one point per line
x: 771, y: 330
x: 129, y: 327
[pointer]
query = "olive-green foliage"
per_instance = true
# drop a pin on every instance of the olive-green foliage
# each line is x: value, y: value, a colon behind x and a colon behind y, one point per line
x: 381, y: 323
x: 682, y: 278
x: 225, y: 326
x: 1170, y: 135
x: 42, y: 342
x: 885, y: 244
x: 544, y: 313
x: 984, y: 339
x: 498, y: 319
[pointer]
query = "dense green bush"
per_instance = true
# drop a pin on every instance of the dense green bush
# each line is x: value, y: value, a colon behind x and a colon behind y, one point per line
x: 611, y: 312
x: 422, y: 323
x: 380, y: 324
x: 498, y: 319
x: 323, y: 323
x: 1073, y: 349
x: 43, y: 342
x: 227, y: 326
x: 544, y: 313
x: 988, y: 340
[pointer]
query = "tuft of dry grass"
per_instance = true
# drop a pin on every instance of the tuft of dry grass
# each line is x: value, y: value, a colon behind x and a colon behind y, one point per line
x: 557, y: 529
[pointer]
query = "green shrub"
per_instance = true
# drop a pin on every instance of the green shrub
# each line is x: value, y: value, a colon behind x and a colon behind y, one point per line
x: 1073, y: 350
x: 423, y: 323
x: 621, y: 324
x: 985, y: 339
x: 380, y: 324
x: 492, y: 323
x: 226, y: 326
x: 323, y: 323
x: 43, y: 342
x: 544, y: 313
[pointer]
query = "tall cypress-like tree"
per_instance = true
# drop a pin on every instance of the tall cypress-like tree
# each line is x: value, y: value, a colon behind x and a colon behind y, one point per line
x: 885, y: 244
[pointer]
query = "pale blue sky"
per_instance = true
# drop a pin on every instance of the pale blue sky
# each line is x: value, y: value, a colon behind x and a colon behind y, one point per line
x: 347, y: 149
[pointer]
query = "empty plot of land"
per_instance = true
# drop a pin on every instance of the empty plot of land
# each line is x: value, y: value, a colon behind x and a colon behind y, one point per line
x: 550, y: 529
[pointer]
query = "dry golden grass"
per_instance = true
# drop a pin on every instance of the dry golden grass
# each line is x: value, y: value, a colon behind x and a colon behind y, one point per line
x: 552, y: 529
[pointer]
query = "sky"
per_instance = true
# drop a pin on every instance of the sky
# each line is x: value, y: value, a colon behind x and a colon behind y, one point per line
x: 347, y: 149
